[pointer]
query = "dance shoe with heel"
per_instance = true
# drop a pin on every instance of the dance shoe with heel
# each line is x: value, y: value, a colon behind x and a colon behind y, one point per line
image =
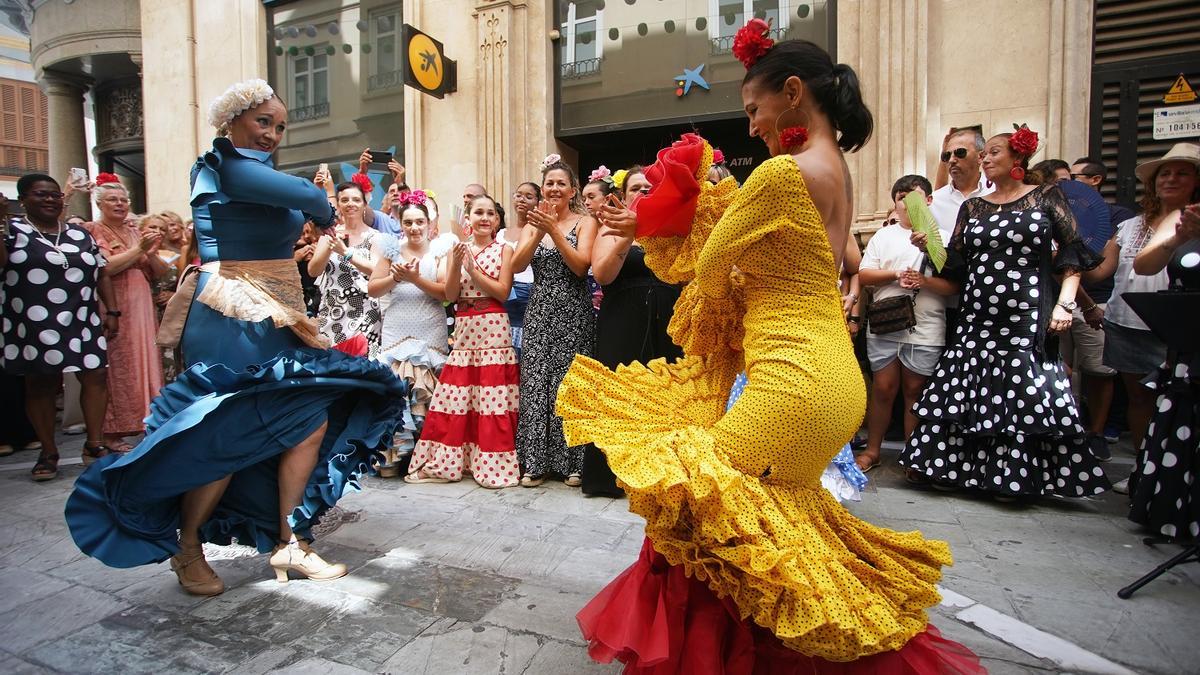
x: 196, y: 577
x: 298, y: 556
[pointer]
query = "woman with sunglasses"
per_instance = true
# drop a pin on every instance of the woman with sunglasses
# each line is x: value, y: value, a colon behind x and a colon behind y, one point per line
x: 53, y: 279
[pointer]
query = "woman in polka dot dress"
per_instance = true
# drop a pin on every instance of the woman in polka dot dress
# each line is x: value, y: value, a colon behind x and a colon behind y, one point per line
x: 51, y: 319
x: 998, y: 413
x: 750, y: 566
x: 472, y: 418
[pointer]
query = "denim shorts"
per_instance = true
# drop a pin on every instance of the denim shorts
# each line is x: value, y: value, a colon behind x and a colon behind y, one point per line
x: 920, y: 359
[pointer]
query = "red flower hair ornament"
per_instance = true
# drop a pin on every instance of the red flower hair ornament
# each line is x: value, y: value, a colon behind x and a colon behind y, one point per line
x: 106, y: 178
x: 1024, y: 141
x: 718, y: 156
x: 751, y: 42
x: 363, y: 182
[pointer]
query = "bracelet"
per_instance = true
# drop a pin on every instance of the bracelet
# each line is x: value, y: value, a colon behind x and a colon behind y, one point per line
x: 113, y: 312
x: 854, y: 319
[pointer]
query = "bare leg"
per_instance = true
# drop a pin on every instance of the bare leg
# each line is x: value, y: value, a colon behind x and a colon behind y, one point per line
x: 295, y: 467
x: 913, y: 384
x: 197, y: 507
x: 93, y: 398
x: 40, y: 391
x: 1099, y: 392
x: 1141, y: 407
x: 884, y: 385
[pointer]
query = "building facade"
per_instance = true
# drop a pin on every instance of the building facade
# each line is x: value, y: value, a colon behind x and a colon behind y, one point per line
x: 611, y: 81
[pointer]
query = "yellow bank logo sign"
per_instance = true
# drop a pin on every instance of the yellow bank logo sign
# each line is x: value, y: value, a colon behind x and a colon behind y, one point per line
x: 426, y: 67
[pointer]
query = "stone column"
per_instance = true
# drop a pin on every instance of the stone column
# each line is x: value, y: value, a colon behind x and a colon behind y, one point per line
x: 68, y: 147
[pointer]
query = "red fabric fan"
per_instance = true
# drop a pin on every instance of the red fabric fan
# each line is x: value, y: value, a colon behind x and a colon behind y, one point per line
x: 105, y: 178
x: 355, y: 346
x: 670, y: 207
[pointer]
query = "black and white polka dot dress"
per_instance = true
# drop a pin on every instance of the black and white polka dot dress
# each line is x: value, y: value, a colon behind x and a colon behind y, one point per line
x: 49, y: 313
x: 998, y: 414
x: 1164, y: 490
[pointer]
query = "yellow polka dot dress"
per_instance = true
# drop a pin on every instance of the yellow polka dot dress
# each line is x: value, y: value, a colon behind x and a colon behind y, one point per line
x: 735, y: 498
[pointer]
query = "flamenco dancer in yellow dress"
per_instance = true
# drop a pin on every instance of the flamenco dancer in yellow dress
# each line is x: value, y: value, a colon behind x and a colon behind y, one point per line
x: 749, y: 565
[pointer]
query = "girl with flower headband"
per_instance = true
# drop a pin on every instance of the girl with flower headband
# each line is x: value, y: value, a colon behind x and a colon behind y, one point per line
x: 267, y: 427
x: 559, y: 322
x: 410, y: 281
x: 472, y: 417
x: 749, y: 565
x: 1006, y: 251
x: 342, y: 261
x: 525, y: 198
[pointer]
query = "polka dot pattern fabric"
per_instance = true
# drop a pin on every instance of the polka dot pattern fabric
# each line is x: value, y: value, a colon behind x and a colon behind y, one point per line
x: 1165, y: 493
x: 997, y: 415
x: 51, y: 321
x: 735, y: 497
x: 471, y: 422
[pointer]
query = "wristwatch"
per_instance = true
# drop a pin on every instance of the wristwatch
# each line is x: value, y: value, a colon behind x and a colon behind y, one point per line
x: 113, y: 312
x: 1070, y: 305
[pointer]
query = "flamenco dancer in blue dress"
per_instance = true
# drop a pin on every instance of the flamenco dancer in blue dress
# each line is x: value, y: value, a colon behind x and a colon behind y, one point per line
x: 267, y: 427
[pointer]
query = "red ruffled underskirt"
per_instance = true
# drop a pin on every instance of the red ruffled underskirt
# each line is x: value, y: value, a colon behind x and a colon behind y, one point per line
x: 658, y: 621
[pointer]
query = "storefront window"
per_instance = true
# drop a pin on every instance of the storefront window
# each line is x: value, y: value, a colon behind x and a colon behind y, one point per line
x: 338, y: 66
x: 636, y: 63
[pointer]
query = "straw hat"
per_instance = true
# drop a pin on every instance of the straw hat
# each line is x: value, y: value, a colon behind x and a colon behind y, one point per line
x: 1181, y: 152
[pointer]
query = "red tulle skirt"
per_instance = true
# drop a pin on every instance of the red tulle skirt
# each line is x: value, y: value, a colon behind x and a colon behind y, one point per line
x: 658, y: 621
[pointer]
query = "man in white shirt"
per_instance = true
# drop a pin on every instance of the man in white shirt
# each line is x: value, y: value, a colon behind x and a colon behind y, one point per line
x: 902, y: 359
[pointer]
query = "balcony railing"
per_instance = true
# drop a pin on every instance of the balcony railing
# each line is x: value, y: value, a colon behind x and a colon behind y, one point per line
x: 307, y: 113
x: 580, y: 69
x: 724, y: 45
x: 388, y: 80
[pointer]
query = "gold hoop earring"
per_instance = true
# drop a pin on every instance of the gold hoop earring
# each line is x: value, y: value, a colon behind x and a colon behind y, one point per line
x: 792, y: 135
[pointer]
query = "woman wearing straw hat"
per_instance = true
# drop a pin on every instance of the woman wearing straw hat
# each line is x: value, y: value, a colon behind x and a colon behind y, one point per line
x: 1130, y: 348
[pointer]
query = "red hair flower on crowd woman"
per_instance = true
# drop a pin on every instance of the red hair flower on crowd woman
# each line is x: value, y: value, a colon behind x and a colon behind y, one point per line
x: 1024, y: 142
x: 752, y: 41
x: 363, y: 182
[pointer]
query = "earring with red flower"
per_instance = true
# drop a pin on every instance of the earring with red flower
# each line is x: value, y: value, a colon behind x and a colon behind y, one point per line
x: 791, y: 138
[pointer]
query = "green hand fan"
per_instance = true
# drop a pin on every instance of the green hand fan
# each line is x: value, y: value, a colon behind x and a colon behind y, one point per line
x: 921, y: 219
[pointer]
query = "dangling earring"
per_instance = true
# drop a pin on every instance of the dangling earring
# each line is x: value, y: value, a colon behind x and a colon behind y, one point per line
x: 990, y: 183
x: 791, y: 137
x: 1017, y: 173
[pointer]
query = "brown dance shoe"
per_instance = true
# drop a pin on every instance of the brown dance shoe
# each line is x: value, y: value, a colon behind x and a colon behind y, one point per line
x: 194, y: 574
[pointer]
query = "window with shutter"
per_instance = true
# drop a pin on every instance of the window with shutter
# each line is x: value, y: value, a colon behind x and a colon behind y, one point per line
x: 1140, y: 47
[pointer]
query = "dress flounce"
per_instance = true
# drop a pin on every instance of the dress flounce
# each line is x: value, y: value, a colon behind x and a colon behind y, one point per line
x: 124, y: 510
x: 789, y: 556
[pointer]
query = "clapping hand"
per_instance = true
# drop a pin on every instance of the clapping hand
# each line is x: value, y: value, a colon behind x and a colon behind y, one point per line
x: 149, y: 242
x: 1188, y: 226
x: 405, y: 272
x: 466, y: 258
x: 618, y: 220
x: 542, y: 217
x: 336, y: 243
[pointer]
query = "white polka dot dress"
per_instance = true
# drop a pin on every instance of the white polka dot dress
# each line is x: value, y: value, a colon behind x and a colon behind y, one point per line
x: 998, y: 414
x: 50, y: 313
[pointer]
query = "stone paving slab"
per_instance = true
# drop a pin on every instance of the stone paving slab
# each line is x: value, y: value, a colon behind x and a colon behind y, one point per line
x: 459, y: 579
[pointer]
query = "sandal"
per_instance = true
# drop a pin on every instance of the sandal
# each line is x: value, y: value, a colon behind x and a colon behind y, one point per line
x: 94, y: 452
x: 46, y: 468
x: 529, y: 480
x: 120, y: 446
x: 871, y: 464
x: 573, y: 480
x: 6, y: 450
x: 419, y: 476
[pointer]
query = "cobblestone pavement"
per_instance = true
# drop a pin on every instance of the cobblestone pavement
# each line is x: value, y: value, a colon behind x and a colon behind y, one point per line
x: 457, y: 579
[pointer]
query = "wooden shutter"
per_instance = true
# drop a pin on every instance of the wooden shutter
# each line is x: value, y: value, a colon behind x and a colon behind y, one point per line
x: 9, y: 124
x: 1141, y: 46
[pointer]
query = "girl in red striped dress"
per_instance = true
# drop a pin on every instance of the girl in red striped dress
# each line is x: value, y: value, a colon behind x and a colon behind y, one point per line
x: 473, y: 416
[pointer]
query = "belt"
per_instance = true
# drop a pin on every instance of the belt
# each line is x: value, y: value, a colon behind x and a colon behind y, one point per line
x: 478, y: 305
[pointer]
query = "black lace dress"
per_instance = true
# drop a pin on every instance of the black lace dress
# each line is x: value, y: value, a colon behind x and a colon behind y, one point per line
x: 632, y: 327
x: 1164, y: 491
x: 559, y: 323
x: 998, y: 414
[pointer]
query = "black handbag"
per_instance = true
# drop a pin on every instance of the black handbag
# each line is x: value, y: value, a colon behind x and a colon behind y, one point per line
x: 891, y: 315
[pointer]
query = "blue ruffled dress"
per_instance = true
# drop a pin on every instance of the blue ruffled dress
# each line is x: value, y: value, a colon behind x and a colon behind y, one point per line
x: 251, y: 391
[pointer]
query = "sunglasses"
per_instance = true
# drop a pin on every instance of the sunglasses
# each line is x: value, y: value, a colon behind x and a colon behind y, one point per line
x: 960, y: 153
x: 890, y: 221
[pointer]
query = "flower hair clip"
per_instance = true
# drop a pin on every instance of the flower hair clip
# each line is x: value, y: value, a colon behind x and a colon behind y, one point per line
x: 602, y: 175
x: 751, y: 42
x: 414, y: 198
x: 1024, y: 141
x: 106, y: 178
x: 618, y: 178
x: 363, y: 182
x: 718, y: 156
x: 237, y: 99
x: 550, y: 160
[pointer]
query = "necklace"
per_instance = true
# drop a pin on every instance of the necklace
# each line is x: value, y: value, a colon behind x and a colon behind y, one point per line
x: 66, y: 264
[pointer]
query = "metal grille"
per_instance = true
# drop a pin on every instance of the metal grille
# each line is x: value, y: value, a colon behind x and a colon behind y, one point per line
x: 578, y: 69
x: 388, y: 80
x: 311, y: 112
x: 1141, y: 29
x: 724, y: 45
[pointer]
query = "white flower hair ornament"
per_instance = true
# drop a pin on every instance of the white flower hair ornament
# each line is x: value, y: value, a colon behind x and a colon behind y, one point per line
x: 237, y: 99
x: 550, y: 161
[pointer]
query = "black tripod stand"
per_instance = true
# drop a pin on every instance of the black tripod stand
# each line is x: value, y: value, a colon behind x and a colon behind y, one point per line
x: 1174, y: 316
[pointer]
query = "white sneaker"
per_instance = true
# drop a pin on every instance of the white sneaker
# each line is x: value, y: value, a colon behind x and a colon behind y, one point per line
x: 1121, y: 487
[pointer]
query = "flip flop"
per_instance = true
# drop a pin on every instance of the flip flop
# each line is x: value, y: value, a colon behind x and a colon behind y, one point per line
x: 415, y: 478
x: 865, y: 469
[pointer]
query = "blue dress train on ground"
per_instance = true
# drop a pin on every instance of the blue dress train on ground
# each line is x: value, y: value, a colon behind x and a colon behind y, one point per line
x: 252, y: 390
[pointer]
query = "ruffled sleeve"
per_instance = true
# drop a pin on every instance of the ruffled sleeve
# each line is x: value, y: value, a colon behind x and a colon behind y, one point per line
x: 228, y: 174
x: 1073, y: 254
x: 389, y: 246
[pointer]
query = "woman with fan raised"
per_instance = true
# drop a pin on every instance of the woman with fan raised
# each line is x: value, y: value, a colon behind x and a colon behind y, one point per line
x: 998, y: 414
